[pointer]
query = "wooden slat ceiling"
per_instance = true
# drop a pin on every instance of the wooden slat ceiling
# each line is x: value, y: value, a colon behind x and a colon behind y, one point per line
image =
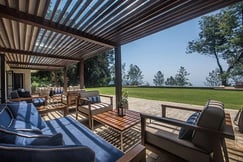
x: 50, y: 34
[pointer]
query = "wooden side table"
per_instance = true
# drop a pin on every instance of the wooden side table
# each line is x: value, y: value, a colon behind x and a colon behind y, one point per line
x: 120, y: 124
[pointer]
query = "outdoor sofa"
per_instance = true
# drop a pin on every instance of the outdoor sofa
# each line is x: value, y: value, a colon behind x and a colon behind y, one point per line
x: 23, y: 95
x: 25, y: 137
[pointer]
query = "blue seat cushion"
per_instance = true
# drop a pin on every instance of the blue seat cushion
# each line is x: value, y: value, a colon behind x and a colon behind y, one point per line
x: 186, y: 133
x: 25, y: 137
x: 75, y: 133
x: 27, y: 112
x: 39, y: 101
x: 6, y: 116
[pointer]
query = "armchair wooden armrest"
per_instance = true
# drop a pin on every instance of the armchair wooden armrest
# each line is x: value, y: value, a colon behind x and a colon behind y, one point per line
x: 180, y: 123
x: 180, y: 107
x: 137, y: 154
x: 107, y: 96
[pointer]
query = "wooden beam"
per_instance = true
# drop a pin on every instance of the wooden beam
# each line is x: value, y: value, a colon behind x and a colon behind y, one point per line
x: 33, y: 64
x: 40, y: 22
x: 118, y: 75
x: 30, y: 53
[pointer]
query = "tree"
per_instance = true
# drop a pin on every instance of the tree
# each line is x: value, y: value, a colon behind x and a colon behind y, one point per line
x: 221, y: 36
x: 97, y: 70
x: 72, y: 74
x: 170, y: 81
x: 213, y: 78
x: 158, y: 79
x: 181, y: 77
x: 134, y: 75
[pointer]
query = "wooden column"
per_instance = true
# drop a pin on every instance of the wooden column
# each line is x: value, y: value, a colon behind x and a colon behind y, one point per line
x: 118, y: 74
x: 55, y: 78
x: 65, y: 79
x: 81, y: 74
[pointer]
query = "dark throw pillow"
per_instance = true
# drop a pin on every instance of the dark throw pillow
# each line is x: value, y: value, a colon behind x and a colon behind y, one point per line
x: 29, y: 137
x: 186, y: 133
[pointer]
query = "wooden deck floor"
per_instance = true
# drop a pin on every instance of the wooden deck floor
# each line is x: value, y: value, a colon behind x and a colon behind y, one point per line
x: 235, y: 148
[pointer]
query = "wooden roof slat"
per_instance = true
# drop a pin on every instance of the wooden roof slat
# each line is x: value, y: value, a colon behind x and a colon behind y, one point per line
x: 149, y: 13
x: 50, y: 39
x: 140, y: 6
x: 96, y: 15
x: 59, y: 39
x: 7, y: 27
x: 109, y: 17
x: 80, y: 11
x: 74, y: 9
x: 63, y: 11
x: 53, y: 13
x: 178, y: 16
x: 88, y: 13
x: 33, y: 38
x: 39, y: 39
x: 46, y: 24
x: 30, y: 53
x: 104, y: 14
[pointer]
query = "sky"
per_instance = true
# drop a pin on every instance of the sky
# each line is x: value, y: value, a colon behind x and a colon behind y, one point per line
x: 166, y: 51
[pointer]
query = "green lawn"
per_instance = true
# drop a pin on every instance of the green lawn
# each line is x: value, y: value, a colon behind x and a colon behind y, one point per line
x: 231, y: 99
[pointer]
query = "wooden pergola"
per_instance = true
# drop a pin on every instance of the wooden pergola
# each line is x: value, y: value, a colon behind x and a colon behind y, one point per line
x: 51, y: 34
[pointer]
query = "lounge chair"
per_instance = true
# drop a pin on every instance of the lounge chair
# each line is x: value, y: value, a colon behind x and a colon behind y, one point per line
x: 200, y: 139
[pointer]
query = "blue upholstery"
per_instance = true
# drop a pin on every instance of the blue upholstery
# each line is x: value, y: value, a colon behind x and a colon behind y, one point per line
x: 94, y: 99
x: 39, y: 101
x: 6, y: 116
x: 186, y: 133
x: 26, y: 112
x: 75, y: 133
x: 80, y: 144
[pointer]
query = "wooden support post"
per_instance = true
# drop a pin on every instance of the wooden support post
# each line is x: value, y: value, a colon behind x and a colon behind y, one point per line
x: 81, y: 74
x: 118, y: 74
x: 65, y: 79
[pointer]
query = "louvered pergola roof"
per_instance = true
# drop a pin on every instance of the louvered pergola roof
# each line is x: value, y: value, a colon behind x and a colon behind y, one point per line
x: 50, y: 34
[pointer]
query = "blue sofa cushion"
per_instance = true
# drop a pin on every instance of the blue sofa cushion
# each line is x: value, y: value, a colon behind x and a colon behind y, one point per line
x: 75, y: 133
x: 77, y: 153
x: 186, y: 133
x: 94, y: 99
x: 26, y: 112
x: 6, y: 116
x: 39, y: 101
x: 25, y: 137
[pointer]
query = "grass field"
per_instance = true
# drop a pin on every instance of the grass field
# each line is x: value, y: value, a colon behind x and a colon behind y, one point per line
x: 231, y: 99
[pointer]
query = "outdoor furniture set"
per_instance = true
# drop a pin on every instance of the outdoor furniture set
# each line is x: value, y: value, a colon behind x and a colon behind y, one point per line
x: 200, y: 138
x: 24, y: 136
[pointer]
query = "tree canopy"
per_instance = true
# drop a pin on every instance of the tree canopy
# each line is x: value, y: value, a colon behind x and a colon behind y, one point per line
x: 221, y: 37
x: 158, y: 79
x: 134, y: 75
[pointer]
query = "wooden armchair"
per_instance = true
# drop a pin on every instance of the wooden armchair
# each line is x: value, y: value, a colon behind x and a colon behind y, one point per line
x: 206, y: 140
x: 89, y: 103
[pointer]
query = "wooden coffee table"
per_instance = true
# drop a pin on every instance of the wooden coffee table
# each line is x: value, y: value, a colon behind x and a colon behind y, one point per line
x: 53, y: 107
x: 120, y: 124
